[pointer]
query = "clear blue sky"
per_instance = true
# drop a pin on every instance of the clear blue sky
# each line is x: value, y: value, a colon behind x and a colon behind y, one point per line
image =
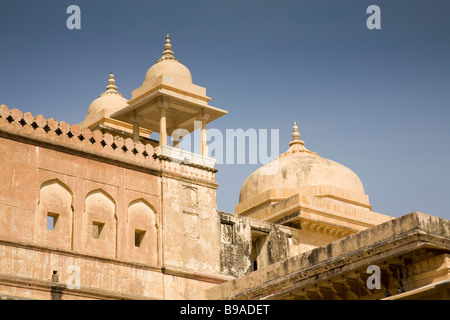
x: 376, y: 101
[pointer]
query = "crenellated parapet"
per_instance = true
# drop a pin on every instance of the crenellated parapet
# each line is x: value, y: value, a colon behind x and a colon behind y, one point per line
x: 39, y: 128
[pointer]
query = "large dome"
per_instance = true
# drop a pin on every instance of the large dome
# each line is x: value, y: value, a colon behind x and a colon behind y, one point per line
x: 299, y: 167
x: 169, y: 66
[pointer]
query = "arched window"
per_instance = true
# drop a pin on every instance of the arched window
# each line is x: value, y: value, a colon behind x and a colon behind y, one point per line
x: 100, y: 224
x: 142, y: 235
x: 55, y: 215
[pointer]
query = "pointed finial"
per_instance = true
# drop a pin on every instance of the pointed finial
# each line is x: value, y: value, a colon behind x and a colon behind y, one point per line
x: 111, y: 88
x: 295, y: 133
x: 167, y: 53
x: 296, y: 145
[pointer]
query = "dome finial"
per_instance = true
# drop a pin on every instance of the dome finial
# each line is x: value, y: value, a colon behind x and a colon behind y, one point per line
x: 111, y: 88
x: 296, y: 145
x: 295, y: 135
x: 167, y: 53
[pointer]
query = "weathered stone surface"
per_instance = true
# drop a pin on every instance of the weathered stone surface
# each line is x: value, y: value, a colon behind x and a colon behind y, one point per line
x: 385, y: 242
x: 239, y: 238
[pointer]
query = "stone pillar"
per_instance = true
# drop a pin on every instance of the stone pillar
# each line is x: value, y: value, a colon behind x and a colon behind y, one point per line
x: 204, y: 138
x: 163, y: 124
x: 204, y: 145
x: 136, y: 131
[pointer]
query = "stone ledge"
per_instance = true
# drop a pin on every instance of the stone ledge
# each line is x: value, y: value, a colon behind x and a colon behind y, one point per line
x: 166, y: 269
x: 78, y: 254
x: 444, y: 284
x: 195, y: 275
x: 319, y: 191
x: 399, y: 235
x: 307, y: 207
x: 62, y: 290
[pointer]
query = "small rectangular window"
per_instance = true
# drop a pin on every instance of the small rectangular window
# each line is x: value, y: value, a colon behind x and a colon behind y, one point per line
x: 139, y: 237
x: 97, y: 230
x: 52, y: 221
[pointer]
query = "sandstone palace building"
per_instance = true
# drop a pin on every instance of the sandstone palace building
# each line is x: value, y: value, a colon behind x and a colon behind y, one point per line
x: 104, y: 210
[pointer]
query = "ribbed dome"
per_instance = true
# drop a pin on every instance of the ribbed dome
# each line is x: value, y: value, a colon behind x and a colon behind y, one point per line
x: 169, y: 66
x: 299, y: 167
x: 109, y: 101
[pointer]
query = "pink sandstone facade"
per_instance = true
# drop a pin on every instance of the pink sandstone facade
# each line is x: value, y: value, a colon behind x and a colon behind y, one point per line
x: 81, y: 178
x: 101, y: 211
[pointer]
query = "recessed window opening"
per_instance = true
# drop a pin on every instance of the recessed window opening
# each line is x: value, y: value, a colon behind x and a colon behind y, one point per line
x: 97, y: 230
x: 138, y: 237
x: 52, y: 221
x: 259, y: 250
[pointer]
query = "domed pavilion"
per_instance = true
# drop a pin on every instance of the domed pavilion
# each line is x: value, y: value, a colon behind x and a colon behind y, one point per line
x: 320, y: 198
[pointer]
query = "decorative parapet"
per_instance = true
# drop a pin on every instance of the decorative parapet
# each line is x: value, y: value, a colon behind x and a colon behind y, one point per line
x: 13, y: 121
x: 71, y: 136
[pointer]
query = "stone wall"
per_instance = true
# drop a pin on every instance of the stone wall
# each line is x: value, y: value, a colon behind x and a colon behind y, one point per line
x: 248, y: 244
x: 134, y: 225
x: 192, y: 231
